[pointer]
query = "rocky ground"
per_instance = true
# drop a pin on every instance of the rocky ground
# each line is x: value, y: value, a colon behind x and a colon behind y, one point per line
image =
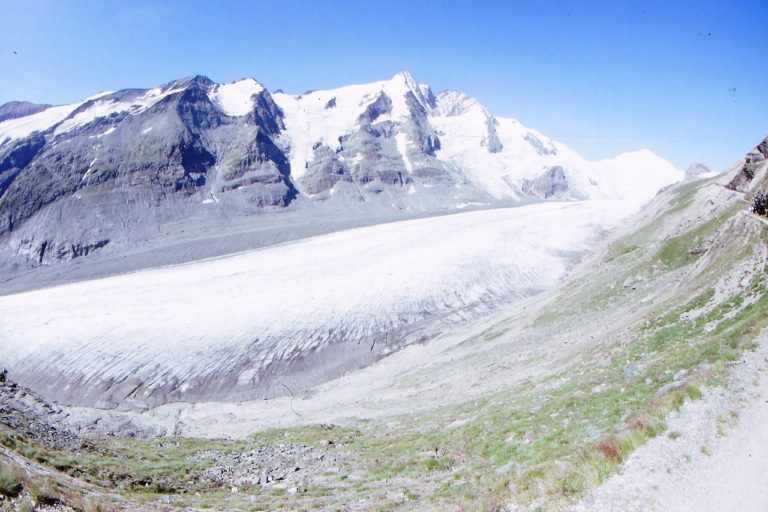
x: 282, y: 466
x: 33, y: 438
x: 29, y: 415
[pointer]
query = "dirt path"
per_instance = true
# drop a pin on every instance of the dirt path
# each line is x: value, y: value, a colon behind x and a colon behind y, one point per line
x: 714, y: 456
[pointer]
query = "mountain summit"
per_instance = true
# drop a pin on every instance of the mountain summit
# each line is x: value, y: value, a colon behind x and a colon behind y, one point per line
x: 119, y: 167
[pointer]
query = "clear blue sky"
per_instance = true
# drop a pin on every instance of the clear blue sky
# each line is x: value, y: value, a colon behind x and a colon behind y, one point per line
x: 686, y: 79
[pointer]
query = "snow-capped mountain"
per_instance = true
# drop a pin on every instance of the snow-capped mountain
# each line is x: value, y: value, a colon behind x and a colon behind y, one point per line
x: 123, y: 166
x: 398, y: 132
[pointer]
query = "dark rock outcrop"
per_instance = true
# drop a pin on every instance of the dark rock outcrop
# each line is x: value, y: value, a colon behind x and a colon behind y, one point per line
x: 32, y: 418
x: 539, y: 146
x: 550, y: 184
x: 752, y: 161
x: 491, y: 141
x: 168, y: 156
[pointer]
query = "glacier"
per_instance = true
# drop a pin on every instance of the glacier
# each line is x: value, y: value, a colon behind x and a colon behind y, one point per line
x: 245, y: 325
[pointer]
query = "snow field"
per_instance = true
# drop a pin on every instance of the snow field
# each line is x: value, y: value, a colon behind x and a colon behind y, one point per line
x: 273, y: 303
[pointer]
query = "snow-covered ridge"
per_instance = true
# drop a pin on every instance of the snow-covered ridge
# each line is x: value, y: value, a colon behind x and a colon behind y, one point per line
x: 455, y: 103
x: 69, y: 117
x: 321, y: 117
x: 236, y: 98
x: 635, y: 174
x: 106, y: 105
x: 24, y: 126
x: 497, y: 155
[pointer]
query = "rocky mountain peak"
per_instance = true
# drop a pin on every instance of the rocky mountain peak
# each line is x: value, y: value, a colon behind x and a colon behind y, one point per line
x: 406, y: 77
x: 17, y: 109
x: 455, y: 103
x: 753, y: 161
x: 696, y: 169
x: 403, y: 84
x: 182, y: 83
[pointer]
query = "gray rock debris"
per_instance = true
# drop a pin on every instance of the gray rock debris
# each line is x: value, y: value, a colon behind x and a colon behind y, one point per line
x: 32, y: 417
x: 289, y: 465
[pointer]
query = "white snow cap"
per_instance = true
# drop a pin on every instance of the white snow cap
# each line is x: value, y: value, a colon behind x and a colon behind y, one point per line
x: 236, y: 98
x: 636, y: 175
x: 496, y: 154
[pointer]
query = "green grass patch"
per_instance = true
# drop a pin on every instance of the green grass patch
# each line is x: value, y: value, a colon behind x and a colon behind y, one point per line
x: 10, y: 480
x: 618, y: 250
x: 43, y: 493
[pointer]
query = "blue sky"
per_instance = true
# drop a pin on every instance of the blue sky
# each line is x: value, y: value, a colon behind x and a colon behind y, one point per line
x: 685, y: 79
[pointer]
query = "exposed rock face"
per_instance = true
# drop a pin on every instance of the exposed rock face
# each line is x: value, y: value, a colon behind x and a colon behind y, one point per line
x: 540, y: 147
x: 263, y: 164
x: 752, y: 161
x: 550, y: 184
x: 760, y: 152
x: 36, y: 420
x: 18, y: 156
x: 324, y: 171
x: 492, y: 141
x: 158, y: 149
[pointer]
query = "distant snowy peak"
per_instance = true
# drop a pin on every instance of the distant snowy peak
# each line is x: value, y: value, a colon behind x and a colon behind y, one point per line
x: 636, y: 175
x: 698, y: 170
x: 236, y: 98
x: 16, y: 109
x: 317, y: 122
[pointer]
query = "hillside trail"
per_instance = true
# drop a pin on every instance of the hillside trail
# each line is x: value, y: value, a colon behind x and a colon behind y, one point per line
x: 713, y: 457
